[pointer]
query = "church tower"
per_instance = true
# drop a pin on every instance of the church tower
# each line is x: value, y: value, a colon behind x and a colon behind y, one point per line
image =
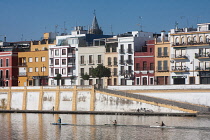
x: 95, y: 27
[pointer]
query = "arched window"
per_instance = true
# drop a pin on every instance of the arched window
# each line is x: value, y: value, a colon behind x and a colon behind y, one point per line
x: 188, y: 39
x: 207, y: 39
x: 182, y: 40
x: 201, y: 39
x: 194, y: 39
x: 177, y: 40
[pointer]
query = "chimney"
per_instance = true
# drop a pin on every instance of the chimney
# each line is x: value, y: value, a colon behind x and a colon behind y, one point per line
x: 163, y: 36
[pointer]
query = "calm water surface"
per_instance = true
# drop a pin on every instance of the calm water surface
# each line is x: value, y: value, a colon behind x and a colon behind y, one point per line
x: 91, y: 127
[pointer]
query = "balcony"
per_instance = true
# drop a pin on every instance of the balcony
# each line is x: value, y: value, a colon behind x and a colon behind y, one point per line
x: 22, y: 74
x: 162, y: 55
x: 129, y: 61
x: 22, y: 64
x: 122, y: 62
x: 82, y: 63
x: 109, y: 63
x: 179, y: 69
x: 189, y: 44
x: 121, y: 51
x: 130, y: 51
x: 162, y: 69
x: 198, y: 68
x: 115, y: 63
x: 179, y: 56
x: 202, y: 55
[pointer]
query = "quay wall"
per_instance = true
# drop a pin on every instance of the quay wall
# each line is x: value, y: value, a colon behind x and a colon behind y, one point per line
x: 71, y: 98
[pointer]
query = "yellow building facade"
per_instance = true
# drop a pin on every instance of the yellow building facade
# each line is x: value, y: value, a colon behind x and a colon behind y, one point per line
x: 162, y: 63
x: 33, y: 68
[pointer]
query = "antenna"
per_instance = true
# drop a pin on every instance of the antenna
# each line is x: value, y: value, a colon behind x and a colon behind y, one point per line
x: 111, y: 30
x: 64, y: 27
x: 56, y: 26
x: 176, y: 25
x: 22, y: 37
x: 140, y: 23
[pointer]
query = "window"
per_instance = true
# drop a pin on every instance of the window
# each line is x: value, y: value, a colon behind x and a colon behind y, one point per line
x: 56, y: 52
x: 36, y: 59
x: 7, y: 62
x: 151, y: 81
x: 115, y: 61
x: 90, y: 59
x: 165, y: 51
x: 63, y: 61
x: 51, y: 71
x: 30, y: 69
x: 43, y: 69
x: 137, y: 66
x: 159, y: 65
x: 7, y: 74
x: 115, y: 81
x: 159, y: 52
x: 82, y: 71
x: 99, y: 58
x: 151, y: 66
x: 138, y: 81
x: 109, y: 61
x: 63, y: 71
x: 1, y: 73
x: 129, y: 48
x: 30, y: 59
x: 165, y: 65
x: 43, y: 59
x: 56, y: 61
x: 63, y: 51
x: 56, y: 71
x: 1, y: 62
x: 114, y: 49
x: 90, y: 71
x: 115, y: 71
x: 144, y: 65
x: 121, y: 48
x: 82, y: 59
x: 36, y: 69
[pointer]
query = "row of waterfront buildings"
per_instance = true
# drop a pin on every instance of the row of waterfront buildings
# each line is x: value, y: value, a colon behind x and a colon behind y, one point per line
x: 182, y: 56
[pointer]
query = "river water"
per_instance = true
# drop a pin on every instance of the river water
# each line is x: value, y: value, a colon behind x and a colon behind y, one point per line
x: 19, y: 126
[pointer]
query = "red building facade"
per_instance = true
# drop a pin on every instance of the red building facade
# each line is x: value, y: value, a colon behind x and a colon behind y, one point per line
x: 8, y: 68
x: 144, y: 62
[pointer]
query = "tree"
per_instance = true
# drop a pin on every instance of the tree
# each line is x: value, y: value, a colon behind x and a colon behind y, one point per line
x: 58, y: 78
x: 72, y: 78
x: 101, y: 71
x: 85, y: 76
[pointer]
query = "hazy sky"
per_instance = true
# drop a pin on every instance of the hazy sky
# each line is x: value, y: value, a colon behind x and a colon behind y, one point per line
x: 29, y: 19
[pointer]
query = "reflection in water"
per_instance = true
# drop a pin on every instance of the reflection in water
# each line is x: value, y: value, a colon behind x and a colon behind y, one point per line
x: 37, y: 126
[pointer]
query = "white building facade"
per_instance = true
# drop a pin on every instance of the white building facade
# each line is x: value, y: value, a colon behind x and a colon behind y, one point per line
x: 127, y: 45
x: 190, y: 55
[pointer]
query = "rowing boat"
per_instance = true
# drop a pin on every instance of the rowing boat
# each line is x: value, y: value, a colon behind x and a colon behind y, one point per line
x: 115, y: 124
x: 158, y: 126
x: 60, y: 123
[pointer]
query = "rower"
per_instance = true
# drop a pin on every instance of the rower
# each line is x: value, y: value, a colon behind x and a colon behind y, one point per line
x: 59, y: 120
x: 162, y: 124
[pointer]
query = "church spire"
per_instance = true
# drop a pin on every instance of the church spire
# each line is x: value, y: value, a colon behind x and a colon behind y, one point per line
x: 95, y: 27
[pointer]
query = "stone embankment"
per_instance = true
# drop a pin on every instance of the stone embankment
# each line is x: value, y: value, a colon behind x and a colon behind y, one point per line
x: 101, y: 113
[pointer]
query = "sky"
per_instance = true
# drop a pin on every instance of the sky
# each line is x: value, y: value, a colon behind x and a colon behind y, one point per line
x: 26, y: 20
